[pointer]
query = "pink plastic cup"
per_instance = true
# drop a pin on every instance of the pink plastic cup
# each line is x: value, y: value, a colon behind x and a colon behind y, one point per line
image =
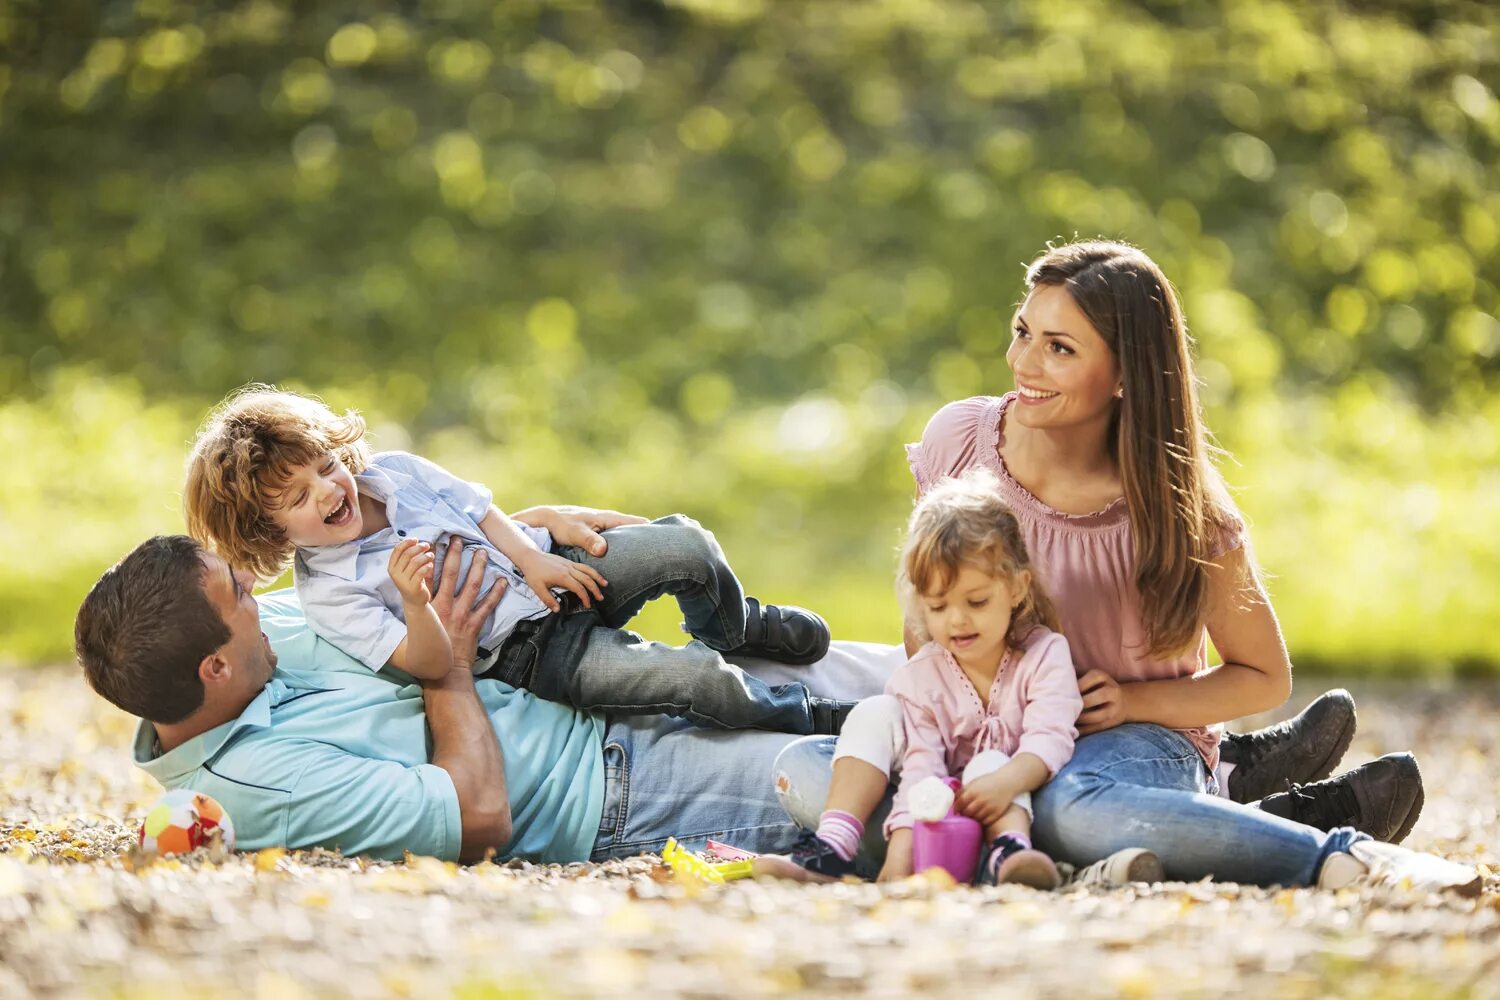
x: 951, y: 843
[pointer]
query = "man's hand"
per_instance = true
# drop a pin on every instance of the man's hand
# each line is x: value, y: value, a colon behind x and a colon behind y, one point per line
x: 411, y: 571
x: 898, y: 861
x: 461, y: 610
x: 986, y: 799
x: 543, y: 571
x: 1103, y: 703
x: 580, y: 526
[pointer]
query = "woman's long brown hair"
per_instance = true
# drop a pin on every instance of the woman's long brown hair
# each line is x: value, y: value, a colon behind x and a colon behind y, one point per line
x: 1179, y: 507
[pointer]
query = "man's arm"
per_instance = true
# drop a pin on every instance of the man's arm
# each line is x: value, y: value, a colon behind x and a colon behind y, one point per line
x: 580, y: 526
x: 463, y: 737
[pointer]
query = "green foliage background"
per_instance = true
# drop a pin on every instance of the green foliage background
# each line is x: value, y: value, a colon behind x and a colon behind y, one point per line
x: 725, y: 256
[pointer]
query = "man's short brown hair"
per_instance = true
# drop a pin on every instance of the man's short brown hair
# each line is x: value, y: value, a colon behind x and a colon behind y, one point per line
x: 244, y: 455
x: 145, y: 627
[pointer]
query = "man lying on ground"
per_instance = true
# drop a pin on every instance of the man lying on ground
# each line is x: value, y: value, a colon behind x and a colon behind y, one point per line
x: 306, y: 747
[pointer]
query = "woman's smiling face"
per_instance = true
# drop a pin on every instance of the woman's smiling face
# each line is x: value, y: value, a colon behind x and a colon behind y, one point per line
x: 1066, y: 374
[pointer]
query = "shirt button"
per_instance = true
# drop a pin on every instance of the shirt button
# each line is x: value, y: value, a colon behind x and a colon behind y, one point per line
x: 401, y: 532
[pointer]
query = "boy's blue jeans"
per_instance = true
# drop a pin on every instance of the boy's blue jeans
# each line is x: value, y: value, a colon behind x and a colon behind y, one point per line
x: 1136, y: 785
x: 584, y: 657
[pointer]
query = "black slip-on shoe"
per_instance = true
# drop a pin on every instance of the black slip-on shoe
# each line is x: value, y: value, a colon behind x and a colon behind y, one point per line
x: 782, y: 632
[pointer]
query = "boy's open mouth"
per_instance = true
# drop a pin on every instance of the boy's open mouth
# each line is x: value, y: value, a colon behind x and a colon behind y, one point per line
x: 341, y: 513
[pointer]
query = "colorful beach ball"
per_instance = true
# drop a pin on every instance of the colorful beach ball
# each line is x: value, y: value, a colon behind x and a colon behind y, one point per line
x: 184, y: 819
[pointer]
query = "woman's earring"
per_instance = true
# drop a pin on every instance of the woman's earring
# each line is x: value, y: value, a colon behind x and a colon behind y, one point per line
x: 1119, y: 392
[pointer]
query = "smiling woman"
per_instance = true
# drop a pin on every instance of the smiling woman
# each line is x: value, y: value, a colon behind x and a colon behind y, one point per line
x: 1103, y: 458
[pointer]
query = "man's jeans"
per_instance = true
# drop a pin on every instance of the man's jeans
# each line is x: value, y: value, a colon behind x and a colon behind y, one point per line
x: 585, y: 658
x: 663, y: 778
x: 1136, y: 785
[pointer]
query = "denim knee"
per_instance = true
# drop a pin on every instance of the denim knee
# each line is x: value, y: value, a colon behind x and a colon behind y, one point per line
x: 1063, y: 798
x: 803, y: 772
x: 688, y: 547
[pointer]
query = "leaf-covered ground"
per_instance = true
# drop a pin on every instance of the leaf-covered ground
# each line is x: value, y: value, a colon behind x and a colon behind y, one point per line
x: 79, y: 918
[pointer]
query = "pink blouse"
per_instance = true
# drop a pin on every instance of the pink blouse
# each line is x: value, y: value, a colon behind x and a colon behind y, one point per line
x: 1086, y: 562
x: 1033, y: 703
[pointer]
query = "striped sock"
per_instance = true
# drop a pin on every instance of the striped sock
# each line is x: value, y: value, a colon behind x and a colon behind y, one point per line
x: 1003, y: 847
x: 840, y: 831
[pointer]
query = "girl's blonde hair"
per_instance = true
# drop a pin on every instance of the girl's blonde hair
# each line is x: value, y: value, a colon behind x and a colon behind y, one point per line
x: 242, y: 458
x: 964, y: 522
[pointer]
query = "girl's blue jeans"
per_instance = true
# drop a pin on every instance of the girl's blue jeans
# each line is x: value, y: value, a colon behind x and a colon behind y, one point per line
x: 1136, y: 785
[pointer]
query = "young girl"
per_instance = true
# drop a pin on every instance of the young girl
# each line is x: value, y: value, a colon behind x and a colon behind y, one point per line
x: 274, y: 475
x: 991, y: 696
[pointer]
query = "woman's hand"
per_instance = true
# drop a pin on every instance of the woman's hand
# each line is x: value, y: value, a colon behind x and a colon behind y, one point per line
x: 543, y: 571
x: 411, y: 571
x: 461, y: 610
x: 897, y: 857
x: 1103, y: 703
x: 580, y: 526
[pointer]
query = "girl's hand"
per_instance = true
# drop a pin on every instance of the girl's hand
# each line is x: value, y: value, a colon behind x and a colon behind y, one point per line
x: 1103, y: 703
x: 985, y: 799
x: 897, y: 858
x: 543, y: 571
x: 411, y: 571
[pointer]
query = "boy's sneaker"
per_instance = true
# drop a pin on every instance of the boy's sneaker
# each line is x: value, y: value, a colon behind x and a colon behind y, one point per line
x: 1133, y: 864
x: 814, y: 854
x: 784, y: 633
x: 1382, y: 798
x: 1017, y: 866
x: 1386, y: 864
x: 828, y: 715
x: 1304, y: 748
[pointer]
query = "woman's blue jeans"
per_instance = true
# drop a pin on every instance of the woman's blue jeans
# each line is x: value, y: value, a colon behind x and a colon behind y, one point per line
x: 1136, y: 785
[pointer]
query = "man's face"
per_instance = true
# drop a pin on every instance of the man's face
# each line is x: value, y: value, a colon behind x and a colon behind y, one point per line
x: 248, y: 651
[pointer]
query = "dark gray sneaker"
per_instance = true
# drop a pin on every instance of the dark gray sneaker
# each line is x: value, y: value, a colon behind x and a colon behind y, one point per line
x: 1382, y: 798
x: 1304, y: 748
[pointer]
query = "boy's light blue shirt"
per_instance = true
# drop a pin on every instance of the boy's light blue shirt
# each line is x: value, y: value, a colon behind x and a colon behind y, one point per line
x: 331, y: 755
x: 346, y: 590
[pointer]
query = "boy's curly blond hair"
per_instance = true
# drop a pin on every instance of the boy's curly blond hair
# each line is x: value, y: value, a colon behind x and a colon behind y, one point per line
x: 243, y: 456
x: 965, y: 522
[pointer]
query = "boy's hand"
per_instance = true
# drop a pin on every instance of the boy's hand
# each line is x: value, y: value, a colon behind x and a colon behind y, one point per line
x: 986, y: 799
x: 543, y: 571
x: 898, y: 862
x: 411, y: 571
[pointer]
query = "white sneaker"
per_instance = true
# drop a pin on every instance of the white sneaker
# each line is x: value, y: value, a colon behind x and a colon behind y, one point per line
x: 1388, y: 864
x: 1133, y: 864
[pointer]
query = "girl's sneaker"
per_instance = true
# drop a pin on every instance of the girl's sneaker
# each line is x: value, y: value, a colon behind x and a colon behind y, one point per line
x: 814, y: 854
x: 1010, y: 860
x: 1133, y: 864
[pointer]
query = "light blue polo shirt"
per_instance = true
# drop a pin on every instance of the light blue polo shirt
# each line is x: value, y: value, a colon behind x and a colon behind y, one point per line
x: 346, y: 590
x: 332, y: 755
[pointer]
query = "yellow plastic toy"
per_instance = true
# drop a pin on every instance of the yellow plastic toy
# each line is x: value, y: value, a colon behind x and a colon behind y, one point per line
x: 687, y: 865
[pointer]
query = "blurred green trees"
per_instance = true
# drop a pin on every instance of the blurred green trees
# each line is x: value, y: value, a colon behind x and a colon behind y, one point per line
x: 724, y: 256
